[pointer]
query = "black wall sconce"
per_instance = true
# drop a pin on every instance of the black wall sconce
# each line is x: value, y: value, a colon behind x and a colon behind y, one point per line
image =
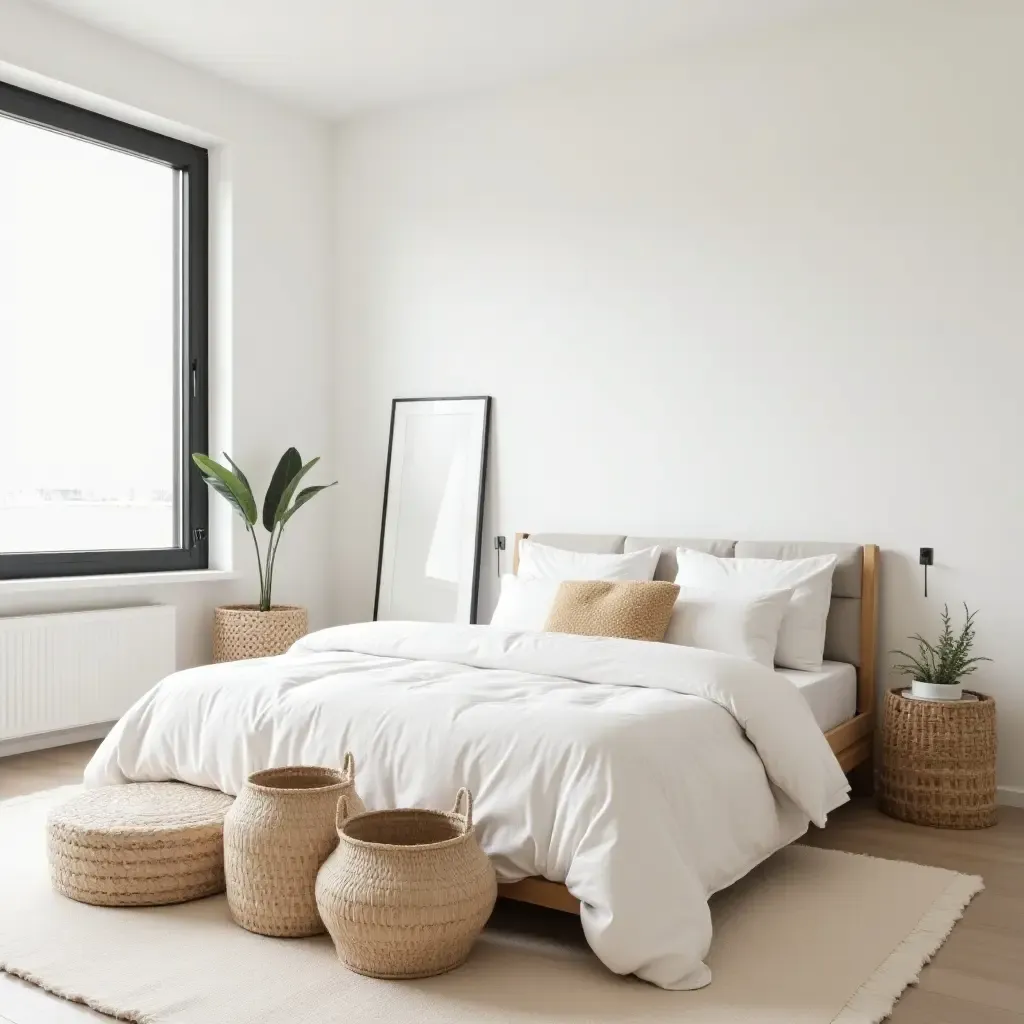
x: 927, y: 558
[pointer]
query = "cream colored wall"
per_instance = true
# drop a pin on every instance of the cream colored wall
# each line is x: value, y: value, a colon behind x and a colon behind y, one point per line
x: 769, y: 289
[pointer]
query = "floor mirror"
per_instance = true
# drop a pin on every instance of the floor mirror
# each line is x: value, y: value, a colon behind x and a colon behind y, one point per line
x: 428, y: 568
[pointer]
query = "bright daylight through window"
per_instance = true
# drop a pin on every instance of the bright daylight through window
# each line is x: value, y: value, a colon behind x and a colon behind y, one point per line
x: 102, y: 343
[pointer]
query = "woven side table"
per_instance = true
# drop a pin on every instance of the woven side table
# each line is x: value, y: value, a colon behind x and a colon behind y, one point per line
x: 939, y: 761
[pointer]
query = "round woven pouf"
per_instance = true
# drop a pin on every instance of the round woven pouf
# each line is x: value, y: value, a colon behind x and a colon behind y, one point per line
x: 939, y: 761
x: 279, y: 832
x: 139, y: 845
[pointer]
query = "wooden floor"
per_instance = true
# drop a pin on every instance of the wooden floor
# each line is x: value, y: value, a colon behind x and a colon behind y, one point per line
x: 44, y: 769
x: 977, y: 977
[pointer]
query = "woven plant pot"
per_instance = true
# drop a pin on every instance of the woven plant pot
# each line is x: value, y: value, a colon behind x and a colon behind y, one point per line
x: 939, y: 761
x: 278, y: 833
x: 242, y: 631
x: 140, y: 845
x: 407, y: 891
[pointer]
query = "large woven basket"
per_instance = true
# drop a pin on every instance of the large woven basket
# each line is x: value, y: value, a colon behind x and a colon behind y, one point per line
x: 939, y: 761
x: 279, y: 832
x: 138, y: 845
x: 242, y: 631
x: 407, y: 891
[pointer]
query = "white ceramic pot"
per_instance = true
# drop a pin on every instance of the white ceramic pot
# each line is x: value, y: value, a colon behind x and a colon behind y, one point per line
x: 937, y: 691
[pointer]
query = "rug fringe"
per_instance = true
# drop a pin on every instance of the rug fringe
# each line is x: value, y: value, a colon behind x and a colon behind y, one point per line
x: 875, y: 999
x: 62, y: 993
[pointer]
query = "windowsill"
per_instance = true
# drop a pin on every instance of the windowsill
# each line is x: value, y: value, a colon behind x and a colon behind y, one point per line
x: 114, y: 580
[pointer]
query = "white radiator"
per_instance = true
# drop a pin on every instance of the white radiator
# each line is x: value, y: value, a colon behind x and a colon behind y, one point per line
x: 73, y: 669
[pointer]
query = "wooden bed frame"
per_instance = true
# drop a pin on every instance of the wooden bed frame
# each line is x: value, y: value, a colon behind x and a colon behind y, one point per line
x: 852, y: 741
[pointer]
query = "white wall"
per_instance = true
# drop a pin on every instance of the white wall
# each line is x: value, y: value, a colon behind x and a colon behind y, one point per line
x: 272, y: 312
x: 767, y: 290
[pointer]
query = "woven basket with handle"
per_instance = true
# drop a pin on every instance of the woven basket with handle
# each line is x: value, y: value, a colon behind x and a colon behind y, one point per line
x: 407, y: 891
x: 939, y: 761
x: 278, y: 833
x: 242, y: 631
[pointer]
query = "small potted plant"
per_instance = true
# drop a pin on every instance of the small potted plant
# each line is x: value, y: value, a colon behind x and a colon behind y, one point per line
x: 938, y: 670
x: 259, y: 630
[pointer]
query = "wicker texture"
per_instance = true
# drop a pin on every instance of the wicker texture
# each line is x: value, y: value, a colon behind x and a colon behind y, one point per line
x: 630, y: 609
x: 939, y: 761
x: 279, y: 832
x: 407, y: 892
x: 242, y: 631
x: 138, y: 845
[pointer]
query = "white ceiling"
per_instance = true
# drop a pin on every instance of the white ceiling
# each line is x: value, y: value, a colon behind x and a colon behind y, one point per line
x: 340, y: 56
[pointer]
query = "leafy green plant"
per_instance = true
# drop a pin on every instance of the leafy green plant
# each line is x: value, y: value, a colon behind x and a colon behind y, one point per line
x: 949, y: 660
x: 279, y: 505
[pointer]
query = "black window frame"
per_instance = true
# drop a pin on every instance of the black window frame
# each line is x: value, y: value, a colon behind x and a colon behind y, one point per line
x: 193, y: 510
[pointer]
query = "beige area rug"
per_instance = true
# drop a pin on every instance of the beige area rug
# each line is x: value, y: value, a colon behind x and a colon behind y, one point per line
x: 811, y: 937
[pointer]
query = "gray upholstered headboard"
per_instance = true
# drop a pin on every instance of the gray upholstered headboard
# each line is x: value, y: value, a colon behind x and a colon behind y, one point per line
x: 847, y: 637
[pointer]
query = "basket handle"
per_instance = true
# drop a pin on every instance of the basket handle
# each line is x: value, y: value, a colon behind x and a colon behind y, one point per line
x: 343, y: 812
x: 464, y: 807
x: 348, y: 767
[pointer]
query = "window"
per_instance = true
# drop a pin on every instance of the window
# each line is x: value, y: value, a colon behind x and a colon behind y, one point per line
x: 103, y: 264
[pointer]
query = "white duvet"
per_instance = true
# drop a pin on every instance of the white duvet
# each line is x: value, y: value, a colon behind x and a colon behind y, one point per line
x: 645, y: 776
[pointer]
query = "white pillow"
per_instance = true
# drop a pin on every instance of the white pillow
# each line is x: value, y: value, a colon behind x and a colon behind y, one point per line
x: 524, y: 604
x: 802, y: 633
x: 744, y: 625
x: 540, y: 562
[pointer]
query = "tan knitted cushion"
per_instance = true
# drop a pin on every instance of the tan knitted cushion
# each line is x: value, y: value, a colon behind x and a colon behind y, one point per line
x: 627, y: 609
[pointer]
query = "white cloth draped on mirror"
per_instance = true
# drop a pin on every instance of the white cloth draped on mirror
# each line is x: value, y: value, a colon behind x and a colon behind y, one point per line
x: 430, y: 535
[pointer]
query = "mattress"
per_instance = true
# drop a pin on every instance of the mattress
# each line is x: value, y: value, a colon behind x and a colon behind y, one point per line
x: 831, y: 692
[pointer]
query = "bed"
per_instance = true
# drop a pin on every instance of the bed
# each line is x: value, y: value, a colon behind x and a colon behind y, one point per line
x: 841, y: 696
x: 622, y: 780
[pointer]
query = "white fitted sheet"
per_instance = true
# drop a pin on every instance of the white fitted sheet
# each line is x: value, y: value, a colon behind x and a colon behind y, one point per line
x: 831, y: 692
